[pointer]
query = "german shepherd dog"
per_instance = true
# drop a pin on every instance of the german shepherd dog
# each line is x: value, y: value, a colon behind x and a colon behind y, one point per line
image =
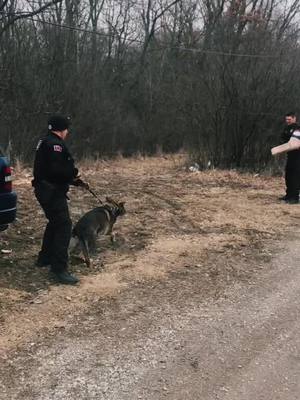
x: 98, y: 221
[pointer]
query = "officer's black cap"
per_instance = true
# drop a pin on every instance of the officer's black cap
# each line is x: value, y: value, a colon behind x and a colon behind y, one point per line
x: 58, y: 123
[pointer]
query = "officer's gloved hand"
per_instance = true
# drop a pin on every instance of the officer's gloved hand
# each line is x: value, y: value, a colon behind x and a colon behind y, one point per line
x: 79, y: 182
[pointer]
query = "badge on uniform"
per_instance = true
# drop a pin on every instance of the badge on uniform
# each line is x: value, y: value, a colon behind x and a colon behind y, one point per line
x: 57, y: 147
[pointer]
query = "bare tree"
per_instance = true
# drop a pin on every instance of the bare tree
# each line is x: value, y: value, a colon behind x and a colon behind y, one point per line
x: 11, y: 13
x: 214, y: 76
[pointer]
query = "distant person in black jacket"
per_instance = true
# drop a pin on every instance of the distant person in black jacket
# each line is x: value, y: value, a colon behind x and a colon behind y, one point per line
x: 53, y: 172
x: 292, y: 168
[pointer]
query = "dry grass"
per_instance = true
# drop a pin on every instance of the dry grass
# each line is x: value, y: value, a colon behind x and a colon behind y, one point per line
x: 175, y: 220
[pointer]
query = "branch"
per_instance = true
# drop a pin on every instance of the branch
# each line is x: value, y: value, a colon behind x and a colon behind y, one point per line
x: 15, y: 16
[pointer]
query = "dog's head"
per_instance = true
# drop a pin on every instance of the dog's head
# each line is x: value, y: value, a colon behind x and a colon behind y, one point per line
x: 118, y: 207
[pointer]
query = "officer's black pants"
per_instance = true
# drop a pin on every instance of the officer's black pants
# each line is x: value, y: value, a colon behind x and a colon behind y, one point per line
x: 292, y: 178
x: 57, y: 234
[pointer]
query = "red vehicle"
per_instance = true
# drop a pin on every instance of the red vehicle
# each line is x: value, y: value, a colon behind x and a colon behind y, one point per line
x: 8, y: 198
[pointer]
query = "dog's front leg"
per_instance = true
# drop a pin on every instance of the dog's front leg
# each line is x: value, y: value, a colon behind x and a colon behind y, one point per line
x: 112, y: 238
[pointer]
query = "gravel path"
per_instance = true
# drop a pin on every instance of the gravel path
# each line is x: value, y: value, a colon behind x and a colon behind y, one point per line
x: 161, y: 340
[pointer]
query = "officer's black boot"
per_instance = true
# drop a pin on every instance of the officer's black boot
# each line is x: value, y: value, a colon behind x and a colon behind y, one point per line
x: 283, y: 198
x: 293, y: 200
x: 42, y: 262
x: 65, y: 277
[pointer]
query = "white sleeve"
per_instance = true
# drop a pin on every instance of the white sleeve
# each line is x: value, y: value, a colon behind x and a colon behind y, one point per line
x: 296, y: 134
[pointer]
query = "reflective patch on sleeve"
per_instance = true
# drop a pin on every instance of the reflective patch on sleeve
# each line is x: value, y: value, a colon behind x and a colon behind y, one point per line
x: 296, y: 134
x: 57, y: 147
x: 39, y: 144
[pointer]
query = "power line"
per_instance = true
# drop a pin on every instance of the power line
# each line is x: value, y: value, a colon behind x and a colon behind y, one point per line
x: 161, y: 47
x: 188, y: 49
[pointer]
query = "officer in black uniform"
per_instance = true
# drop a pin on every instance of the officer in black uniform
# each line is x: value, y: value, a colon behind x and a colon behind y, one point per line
x: 292, y: 168
x: 53, y: 172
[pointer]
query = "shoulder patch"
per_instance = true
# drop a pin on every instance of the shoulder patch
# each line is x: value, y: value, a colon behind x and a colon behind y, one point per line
x: 57, y: 147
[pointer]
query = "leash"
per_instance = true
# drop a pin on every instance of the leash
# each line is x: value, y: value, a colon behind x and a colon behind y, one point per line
x: 94, y: 194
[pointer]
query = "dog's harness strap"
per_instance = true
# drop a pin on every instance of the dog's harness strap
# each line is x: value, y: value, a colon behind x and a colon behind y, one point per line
x: 112, y: 211
x: 107, y: 213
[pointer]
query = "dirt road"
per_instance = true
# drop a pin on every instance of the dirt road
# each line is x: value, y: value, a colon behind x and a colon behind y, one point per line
x: 199, y: 300
x: 162, y: 341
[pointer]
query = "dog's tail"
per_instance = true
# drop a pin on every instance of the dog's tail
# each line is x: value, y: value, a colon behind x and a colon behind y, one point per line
x: 73, y: 243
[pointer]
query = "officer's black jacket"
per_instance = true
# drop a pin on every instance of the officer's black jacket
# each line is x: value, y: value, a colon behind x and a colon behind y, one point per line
x: 287, y: 132
x: 294, y: 155
x: 53, y: 162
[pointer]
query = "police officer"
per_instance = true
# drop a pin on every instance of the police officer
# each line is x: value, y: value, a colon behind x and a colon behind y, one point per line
x: 292, y: 168
x: 53, y: 172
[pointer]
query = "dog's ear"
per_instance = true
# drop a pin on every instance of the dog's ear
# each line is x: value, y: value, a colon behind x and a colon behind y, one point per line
x: 121, y: 208
x: 111, y: 201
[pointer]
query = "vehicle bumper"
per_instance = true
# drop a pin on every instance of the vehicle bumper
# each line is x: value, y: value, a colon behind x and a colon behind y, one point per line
x: 8, y: 207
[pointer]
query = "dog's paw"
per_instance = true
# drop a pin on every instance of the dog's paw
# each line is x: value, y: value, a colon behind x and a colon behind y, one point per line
x: 113, y: 238
x: 76, y: 259
x: 98, y: 264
